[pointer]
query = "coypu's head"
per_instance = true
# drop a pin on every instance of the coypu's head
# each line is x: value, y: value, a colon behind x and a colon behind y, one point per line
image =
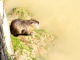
x: 33, y: 23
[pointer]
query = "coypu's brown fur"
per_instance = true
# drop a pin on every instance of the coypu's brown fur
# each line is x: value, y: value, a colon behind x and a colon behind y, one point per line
x: 23, y: 27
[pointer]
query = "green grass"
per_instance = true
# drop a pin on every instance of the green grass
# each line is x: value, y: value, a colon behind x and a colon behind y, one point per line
x: 29, y: 14
x: 19, y: 10
x: 17, y: 44
x: 40, y: 31
x: 37, y: 36
x: 31, y: 48
x: 34, y: 58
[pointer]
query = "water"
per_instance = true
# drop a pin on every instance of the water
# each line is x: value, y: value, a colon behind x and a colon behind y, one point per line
x: 61, y: 17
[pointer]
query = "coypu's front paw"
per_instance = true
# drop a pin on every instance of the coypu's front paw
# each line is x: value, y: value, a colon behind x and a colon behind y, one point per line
x: 31, y: 33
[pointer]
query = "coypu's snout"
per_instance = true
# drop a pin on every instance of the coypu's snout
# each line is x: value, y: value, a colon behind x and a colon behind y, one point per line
x: 34, y: 23
x: 37, y: 25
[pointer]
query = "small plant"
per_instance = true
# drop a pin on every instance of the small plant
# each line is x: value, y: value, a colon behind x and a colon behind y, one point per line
x: 29, y: 14
x: 37, y: 36
x: 34, y: 58
x: 19, y: 10
x: 31, y: 48
x: 20, y: 13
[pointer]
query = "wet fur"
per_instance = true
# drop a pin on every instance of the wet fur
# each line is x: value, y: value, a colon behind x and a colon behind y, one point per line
x: 22, y: 27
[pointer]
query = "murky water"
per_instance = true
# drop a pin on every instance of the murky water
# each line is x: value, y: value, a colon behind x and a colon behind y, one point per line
x: 62, y: 17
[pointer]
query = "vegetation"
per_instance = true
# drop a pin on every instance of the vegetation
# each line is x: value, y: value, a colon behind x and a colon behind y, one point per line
x: 20, y: 13
x: 17, y: 44
x: 33, y: 47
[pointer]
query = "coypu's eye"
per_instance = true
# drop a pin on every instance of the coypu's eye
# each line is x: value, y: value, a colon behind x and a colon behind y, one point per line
x: 31, y: 22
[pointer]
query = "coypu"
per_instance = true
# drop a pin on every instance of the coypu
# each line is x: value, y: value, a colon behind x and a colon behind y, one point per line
x: 23, y: 27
